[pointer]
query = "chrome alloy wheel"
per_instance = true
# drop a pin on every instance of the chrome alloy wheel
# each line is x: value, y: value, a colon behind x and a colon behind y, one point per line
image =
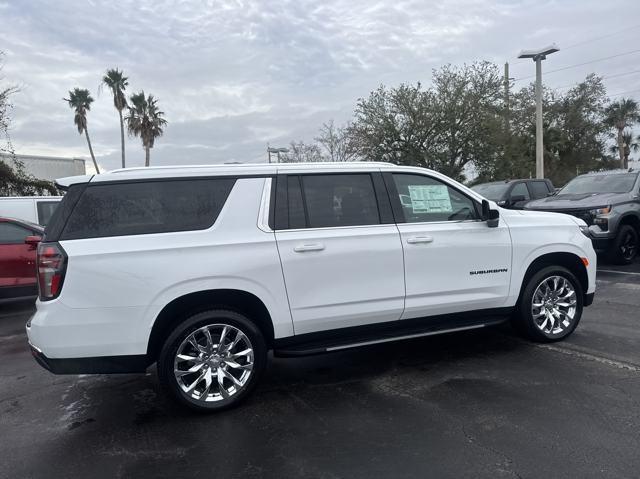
x: 213, y: 363
x: 554, y: 305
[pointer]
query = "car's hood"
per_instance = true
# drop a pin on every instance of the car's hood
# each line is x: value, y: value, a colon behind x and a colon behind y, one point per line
x: 574, y: 202
x: 544, y: 217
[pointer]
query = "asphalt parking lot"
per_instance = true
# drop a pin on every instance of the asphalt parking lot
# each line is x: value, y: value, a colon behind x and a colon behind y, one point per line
x: 477, y: 404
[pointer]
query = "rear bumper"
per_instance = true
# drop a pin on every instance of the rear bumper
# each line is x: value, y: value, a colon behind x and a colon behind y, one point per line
x: 96, y: 365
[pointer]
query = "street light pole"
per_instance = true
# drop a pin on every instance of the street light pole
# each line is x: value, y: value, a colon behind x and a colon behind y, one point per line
x: 277, y: 151
x: 539, y: 131
x: 537, y: 56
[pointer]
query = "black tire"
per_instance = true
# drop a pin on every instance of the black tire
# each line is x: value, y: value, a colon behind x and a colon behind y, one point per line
x: 625, y: 247
x: 215, y: 319
x: 523, y: 319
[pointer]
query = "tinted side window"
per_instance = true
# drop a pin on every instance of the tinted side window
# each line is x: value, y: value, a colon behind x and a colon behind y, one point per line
x: 520, y: 190
x: 539, y: 189
x: 46, y: 210
x: 147, y: 207
x: 340, y: 200
x: 13, y: 234
x: 296, y: 206
x: 425, y: 199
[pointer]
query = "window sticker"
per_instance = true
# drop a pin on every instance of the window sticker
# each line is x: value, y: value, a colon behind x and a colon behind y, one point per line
x: 430, y: 199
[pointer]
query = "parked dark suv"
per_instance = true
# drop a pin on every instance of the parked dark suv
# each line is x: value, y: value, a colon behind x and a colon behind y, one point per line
x: 609, y: 202
x: 514, y: 194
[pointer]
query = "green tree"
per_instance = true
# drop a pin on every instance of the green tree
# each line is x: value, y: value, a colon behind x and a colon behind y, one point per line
x: 395, y: 125
x: 115, y: 80
x: 629, y: 145
x: 14, y: 180
x: 620, y: 115
x: 145, y: 120
x: 80, y: 100
x: 574, y: 134
x: 448, y: 127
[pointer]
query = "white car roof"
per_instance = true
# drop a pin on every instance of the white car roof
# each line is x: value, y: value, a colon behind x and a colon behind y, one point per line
x: 243, y: 169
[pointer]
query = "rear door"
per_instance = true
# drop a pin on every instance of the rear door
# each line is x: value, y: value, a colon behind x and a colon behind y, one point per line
x: 340, y: 250
x: 454, y: 262
x: 17, y: 259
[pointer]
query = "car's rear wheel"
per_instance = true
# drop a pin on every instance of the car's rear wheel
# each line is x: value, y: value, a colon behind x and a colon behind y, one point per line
x: 550, y: 306
x: 213, y: 360
x: 625, y: 246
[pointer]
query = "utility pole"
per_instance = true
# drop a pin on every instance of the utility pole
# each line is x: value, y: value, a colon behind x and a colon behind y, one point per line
x: 507, y: 124
x: 506, y: 99
x: 537, y: 56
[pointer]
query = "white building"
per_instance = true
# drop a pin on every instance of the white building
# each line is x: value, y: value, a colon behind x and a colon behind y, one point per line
x: 48, y: 167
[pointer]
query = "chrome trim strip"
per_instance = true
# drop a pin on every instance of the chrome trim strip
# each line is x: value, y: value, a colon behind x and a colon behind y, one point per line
x: 408, y: 336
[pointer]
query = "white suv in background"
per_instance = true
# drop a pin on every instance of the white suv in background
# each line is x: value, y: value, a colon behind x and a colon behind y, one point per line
x: 204, y: 269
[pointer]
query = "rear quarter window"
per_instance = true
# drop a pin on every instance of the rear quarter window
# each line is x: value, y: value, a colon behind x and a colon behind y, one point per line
x: 121, y: 209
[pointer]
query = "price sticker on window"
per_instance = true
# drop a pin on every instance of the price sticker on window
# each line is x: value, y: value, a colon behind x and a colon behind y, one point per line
x: 430, y: 199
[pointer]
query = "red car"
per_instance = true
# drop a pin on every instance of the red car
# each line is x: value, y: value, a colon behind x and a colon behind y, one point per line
x: 18, y: 244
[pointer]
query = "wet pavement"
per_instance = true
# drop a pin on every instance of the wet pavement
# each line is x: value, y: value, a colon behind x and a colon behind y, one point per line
x: 475, y: 404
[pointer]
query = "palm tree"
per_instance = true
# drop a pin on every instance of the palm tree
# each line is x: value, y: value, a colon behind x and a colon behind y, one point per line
x: 80, y: 100
x: 115, y: 80
x: 620, y: 115
x: 145, y: 120
x: 628, y: 146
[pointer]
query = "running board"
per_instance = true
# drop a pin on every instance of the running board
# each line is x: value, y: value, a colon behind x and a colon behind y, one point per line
x: 400, y: 338
x: 348, y: 338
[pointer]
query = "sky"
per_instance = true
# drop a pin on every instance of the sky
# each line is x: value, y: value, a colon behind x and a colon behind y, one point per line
x: 233, y: 76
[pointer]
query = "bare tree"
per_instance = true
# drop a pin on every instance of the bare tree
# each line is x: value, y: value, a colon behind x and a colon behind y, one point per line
x: 336, y: 142
x: 301, y: 152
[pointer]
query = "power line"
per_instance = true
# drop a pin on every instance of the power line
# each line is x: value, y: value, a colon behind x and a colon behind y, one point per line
x: 603, y: 78
x: 584, y: 42
x: 581, y: 64
x: 595, y: 39
x: 625, y: 92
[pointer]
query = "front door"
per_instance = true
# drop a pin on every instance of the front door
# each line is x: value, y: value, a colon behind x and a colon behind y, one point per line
x: 454, y: 262
x: 342, y: 263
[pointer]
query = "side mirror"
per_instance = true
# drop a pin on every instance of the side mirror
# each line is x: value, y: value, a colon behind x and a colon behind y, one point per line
x: 517, y: 198
x: 492, y: 217
x: 33, y: 240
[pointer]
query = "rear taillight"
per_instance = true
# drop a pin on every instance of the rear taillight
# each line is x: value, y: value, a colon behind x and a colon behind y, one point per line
x: 52, y: 265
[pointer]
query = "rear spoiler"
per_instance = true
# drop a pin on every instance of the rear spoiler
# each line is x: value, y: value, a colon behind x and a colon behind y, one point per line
x: 65, y: 183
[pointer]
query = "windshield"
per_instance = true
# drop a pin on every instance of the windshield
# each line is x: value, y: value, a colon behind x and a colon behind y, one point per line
x: 615, y: 183
x: 491, y: 191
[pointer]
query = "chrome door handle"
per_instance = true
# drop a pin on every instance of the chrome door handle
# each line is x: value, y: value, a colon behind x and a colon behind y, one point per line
x: 302, y: 248
x: 420, y: 239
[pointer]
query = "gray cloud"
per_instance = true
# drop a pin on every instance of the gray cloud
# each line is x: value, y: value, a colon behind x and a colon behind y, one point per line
x: 233, y: 75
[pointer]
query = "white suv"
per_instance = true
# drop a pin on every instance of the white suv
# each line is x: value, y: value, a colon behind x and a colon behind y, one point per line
x: 205, y: 269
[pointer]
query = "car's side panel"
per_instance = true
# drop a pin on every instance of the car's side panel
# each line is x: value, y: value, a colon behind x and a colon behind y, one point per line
x: 116, y: 286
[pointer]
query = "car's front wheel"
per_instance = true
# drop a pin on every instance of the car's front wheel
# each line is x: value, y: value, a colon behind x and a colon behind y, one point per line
x: 213, y: 360
x: 625, y: 246
x: 550, y: 306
